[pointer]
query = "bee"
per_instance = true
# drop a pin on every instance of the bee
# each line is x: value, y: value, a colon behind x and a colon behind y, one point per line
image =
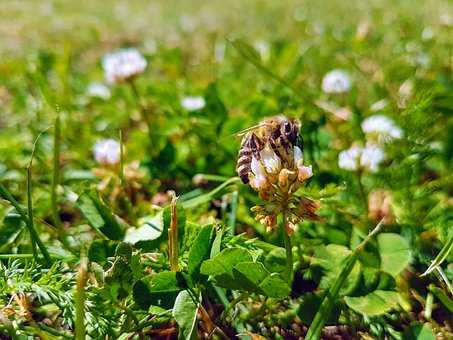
x: 284, y: 136
x: 251, y: 146
x: 279, y: 132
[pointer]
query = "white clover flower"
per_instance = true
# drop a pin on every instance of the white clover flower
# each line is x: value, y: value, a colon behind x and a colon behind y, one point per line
x: 98, y: 90
x: 357, y: 157
x: 270, y: 160
x: 350, y: 159
x: 123, y: 65
x: 336, y: 81
x: 107, y: 151
x: 298, y: 156
x: 191, y: 103
x: 304, y: 172
x: 371, y: 156
x: 258, y: 177
x: 384, y: 127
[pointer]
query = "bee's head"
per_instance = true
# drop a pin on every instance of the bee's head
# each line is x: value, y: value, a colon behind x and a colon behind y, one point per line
x: 290, y: 129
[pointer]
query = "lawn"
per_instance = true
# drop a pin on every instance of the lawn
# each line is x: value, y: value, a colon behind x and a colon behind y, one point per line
x: 226, y: 169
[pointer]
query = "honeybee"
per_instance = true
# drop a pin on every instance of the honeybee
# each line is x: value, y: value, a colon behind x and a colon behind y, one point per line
x: 280, y: 132
x: 251, y: 146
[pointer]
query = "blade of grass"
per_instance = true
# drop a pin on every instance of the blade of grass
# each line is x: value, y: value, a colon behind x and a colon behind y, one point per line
x: 323, y: 313
x: 80, y: 297
x: 233, y: 212
x: 444, y: 252
x: 250, y: 54
x: 193, y: 202
x: 30, y: 224
x: 56, y: 171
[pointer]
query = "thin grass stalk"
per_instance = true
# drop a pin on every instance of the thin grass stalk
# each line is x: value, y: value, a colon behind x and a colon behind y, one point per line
x: 173, y: 236
x: 314, y: 332
x: 80, y: 297
x: 56, y: 172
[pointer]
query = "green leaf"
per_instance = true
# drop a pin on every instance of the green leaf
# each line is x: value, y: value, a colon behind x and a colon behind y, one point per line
x: 200, y: 250
x: 395, y: 253
x: 149, y: 235
x: 185, y: 313
x: 375, y: 303
x: 225, y: 261
x: 331, y: 258
x: 443, y: 297
x: 160, y: 290
x: 216, y: 244
x: 100, y: 250
x: 275, y: 260
x: 419, y: 332
x: 100, y: 217
x: 11, y: 227
x: 274, y: 286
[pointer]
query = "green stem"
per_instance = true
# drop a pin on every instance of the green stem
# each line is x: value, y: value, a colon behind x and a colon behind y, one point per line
x: 141, y: 108
x: 56, y: 172
x: 80, y: 297
x: 289, y: 250
x: 362, y: 192
x: 31, y: 228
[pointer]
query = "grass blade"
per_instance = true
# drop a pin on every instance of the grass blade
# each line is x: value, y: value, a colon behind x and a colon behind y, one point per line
x: 323, y: 313
x: 444, y: 252
x: 56, y: 172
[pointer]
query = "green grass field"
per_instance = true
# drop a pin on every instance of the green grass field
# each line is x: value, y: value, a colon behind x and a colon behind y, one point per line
x: 122, y: 214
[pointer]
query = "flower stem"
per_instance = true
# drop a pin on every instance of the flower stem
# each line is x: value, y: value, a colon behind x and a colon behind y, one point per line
x: 288, y: 248
x: 141, y: 107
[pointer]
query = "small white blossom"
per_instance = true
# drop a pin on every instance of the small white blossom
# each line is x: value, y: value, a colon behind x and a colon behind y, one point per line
x: 304, y: 172
x: 371, y: 156
x: 193, y: 103
x: 98, y: 90
x: 350, y: 159
x: 270, y: 160
x: 258, y: 177
x: 336, y: 81
x: 107, y: 151
x: 383, y: 126
x: 298, y: 156
x: 123, y: 65
x: 357, y: 157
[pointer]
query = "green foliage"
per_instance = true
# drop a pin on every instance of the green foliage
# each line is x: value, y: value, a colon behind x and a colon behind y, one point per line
x: 243, y: 62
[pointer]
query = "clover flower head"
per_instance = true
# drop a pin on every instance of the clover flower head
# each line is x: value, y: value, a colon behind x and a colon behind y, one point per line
x: 357, y: 157
x: 382, y: 126
x: 350, y: 159
x: 107, y: 152
x: 193, y: 103
x: 276, y: 171
x: 123, y: 65
x: 98, y: 90
x: 336, y: 81
x: 372, y: 156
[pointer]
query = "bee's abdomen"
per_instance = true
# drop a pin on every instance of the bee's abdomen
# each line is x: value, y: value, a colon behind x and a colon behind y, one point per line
x: 243, y: 164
